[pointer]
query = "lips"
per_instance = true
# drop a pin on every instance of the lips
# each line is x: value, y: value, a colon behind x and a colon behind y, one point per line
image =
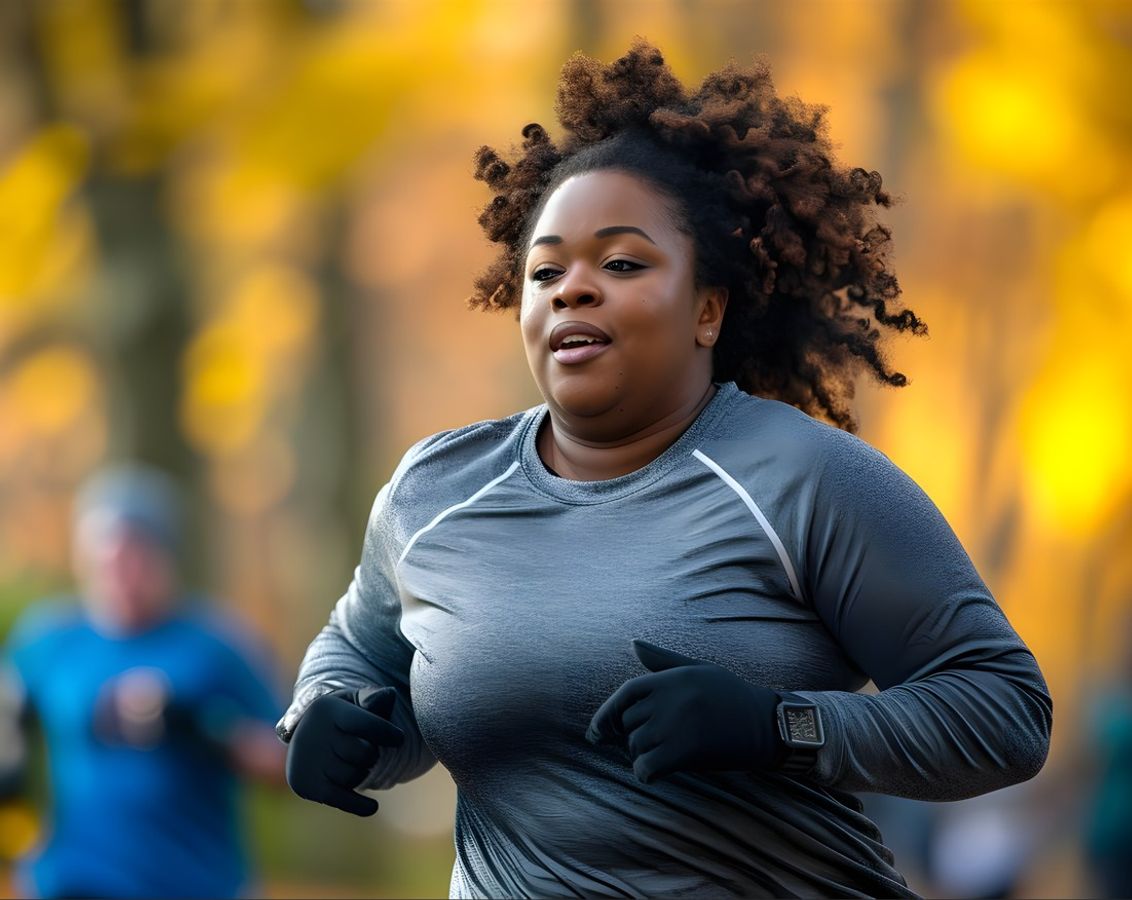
x: 564, y: 329
x: 570, y: 352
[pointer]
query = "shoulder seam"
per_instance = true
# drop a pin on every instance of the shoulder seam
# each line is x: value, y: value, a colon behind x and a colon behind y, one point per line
x: 764, y: 522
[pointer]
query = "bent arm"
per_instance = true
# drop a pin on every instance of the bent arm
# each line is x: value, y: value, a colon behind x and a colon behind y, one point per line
x: 362, y: 645
x: 962, y: 708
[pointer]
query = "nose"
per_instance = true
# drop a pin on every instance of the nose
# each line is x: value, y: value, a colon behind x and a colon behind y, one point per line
x: 574, y: 290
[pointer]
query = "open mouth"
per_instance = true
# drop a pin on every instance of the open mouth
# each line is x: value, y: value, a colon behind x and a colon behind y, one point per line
x: 576, y: 341
x: 580, y: 340
x: 579, y: 351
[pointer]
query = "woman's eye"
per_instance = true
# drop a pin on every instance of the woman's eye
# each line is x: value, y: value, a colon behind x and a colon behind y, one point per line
x: 623, y: 265
x: 543, y: 274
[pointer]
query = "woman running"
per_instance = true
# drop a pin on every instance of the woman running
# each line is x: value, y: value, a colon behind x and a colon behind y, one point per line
x: 633, y: 622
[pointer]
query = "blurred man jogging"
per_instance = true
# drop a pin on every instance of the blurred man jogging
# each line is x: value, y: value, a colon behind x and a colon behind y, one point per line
x: 151, y: 706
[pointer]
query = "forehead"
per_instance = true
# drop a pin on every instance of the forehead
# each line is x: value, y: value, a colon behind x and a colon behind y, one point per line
x: 584, y: 203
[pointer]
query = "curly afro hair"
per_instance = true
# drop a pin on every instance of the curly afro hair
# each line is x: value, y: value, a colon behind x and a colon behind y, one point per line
x: 750, y: 177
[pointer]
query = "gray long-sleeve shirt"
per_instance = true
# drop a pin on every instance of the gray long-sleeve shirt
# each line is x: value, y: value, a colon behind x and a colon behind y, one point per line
x: 500, y: 601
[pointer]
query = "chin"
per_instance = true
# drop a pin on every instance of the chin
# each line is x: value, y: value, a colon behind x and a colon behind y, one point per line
x: 583, y: 398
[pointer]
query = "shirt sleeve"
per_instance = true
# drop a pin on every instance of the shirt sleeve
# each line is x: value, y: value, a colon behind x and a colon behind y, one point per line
x: 962, y: 708
x: 363, y: 645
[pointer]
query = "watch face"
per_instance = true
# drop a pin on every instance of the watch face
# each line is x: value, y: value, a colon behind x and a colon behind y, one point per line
x: 802, y: 726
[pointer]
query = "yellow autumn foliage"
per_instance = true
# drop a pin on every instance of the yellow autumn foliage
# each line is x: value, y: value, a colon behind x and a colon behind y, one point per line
x: 46, y: 240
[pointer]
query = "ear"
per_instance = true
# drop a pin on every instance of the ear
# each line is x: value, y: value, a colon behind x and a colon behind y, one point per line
x: 709, y: 324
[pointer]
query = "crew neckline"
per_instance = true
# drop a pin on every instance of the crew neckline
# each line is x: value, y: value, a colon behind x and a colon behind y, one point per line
x: 587, y: 492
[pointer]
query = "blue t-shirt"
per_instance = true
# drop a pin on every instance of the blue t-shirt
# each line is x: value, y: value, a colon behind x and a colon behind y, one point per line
x: 129, y: 821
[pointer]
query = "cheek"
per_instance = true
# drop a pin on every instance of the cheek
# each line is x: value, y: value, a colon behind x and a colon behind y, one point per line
x: 652, y: 321
x: 530, y: 324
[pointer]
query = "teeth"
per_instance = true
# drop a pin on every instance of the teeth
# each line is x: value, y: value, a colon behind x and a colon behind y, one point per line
x: 578, y: 339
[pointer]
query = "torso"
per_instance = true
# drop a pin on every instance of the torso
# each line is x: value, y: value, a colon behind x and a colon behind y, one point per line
x: 521, y: 606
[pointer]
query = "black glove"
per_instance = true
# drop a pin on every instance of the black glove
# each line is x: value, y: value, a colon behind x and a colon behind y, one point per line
x: 336, y: 744
x: 689, y: 715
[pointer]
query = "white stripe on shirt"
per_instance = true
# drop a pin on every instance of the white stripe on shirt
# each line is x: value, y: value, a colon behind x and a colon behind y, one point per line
x: 472, y: 499
x: 758, y: 514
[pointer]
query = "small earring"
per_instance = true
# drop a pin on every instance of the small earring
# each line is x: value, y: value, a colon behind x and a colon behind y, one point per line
x: 709, y: 333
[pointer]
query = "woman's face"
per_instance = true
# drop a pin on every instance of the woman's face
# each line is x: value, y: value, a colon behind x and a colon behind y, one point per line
x: 604, y: 253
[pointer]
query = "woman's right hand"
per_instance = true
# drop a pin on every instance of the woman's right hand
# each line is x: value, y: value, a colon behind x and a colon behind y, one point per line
x: 336, y: 744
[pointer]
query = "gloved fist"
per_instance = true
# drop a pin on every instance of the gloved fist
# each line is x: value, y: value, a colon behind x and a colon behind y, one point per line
x: 131, y: 708
x: 138, y: 708
x: 336, y: 744
x: 688, y: 715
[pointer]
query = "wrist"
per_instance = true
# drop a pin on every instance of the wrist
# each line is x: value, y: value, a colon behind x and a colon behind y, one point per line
x: 762, y: 748
x: 801, y: 734
x: 304, y: 699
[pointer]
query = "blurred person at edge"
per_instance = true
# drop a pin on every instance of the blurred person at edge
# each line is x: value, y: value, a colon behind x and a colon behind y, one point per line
x: 152, y: 706
x: 1108, y: 800
x: 633, y: 622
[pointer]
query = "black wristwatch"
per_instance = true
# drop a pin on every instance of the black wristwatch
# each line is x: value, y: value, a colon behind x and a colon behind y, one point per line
x: 799, y: 724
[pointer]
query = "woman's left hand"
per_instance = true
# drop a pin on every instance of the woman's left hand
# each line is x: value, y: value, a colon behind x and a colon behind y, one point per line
x: 688, y: 715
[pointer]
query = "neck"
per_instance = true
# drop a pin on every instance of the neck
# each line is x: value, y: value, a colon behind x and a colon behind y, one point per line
x: 576, y: 457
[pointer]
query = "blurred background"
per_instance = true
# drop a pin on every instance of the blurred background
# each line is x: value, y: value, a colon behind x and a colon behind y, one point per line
x: 236, y: 239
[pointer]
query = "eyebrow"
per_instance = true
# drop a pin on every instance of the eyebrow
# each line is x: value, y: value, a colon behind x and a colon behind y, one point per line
x: 608, y: 231
x: 622, y: 229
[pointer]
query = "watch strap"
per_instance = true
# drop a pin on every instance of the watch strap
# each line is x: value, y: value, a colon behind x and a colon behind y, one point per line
x: 798, y: 762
